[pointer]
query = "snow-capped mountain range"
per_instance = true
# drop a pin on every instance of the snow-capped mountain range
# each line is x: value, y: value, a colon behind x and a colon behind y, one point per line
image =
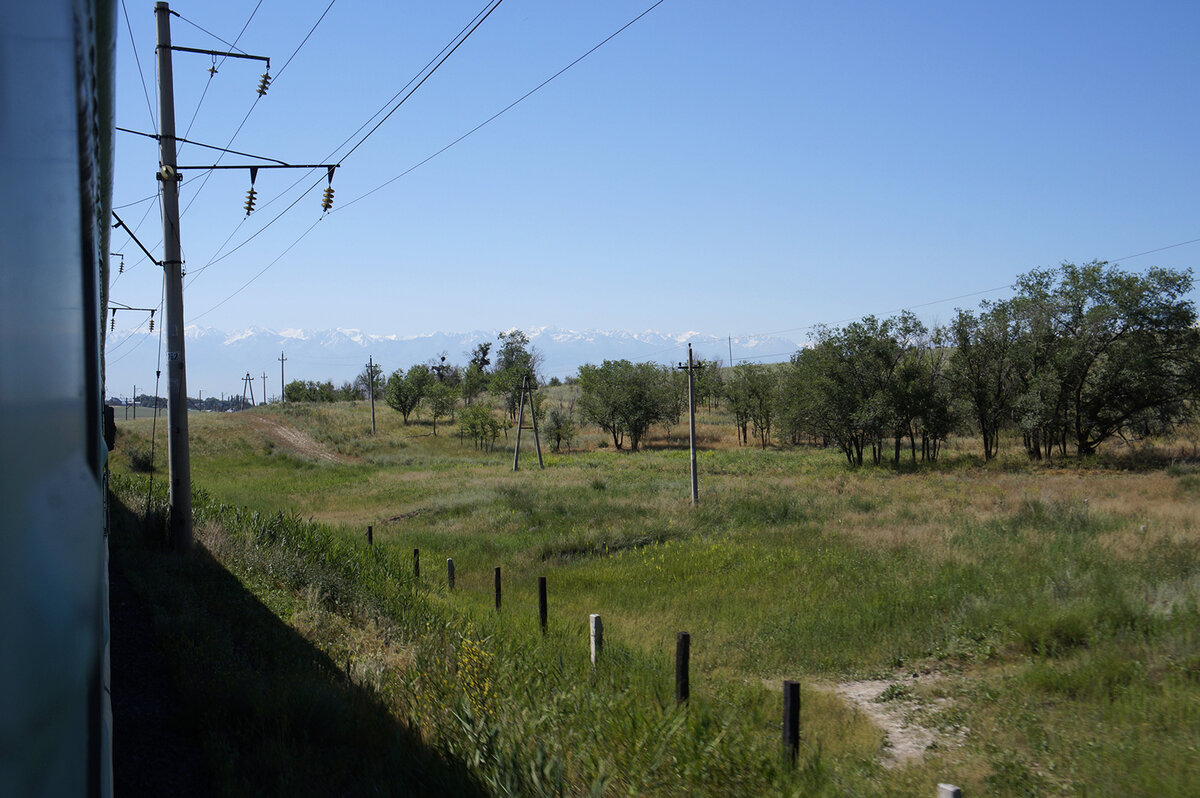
x: 218, y: 360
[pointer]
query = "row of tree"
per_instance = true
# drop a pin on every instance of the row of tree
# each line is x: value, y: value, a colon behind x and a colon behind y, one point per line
x: 1081, y: 354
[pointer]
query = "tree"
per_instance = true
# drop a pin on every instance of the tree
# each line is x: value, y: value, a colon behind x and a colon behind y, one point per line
x: 559, y: 427
x: 514, y: 361
x: 371, y: 374
x: 984, y: 366
x: 405, y: 390
x: 1104, y: 348
x: 440, y: 399
x: 752, y: 395
x: 626, y: 398
x: 479, y: 423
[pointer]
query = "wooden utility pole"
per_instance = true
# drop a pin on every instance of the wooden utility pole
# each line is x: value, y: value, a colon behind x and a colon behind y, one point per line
x: 282, y: 384
x: 526, y: 390
x: 692, y: 423
x: 371, y: 388
x: 179, y: 458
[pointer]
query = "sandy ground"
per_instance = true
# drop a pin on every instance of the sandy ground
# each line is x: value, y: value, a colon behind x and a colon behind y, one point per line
x: 299, y: 442
x: 907, y: 740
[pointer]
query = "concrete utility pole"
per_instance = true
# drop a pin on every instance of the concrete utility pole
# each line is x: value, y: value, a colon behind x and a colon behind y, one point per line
x: 692, y: 423
x: 371, y: 388
x: 264, y: 379
x: 179, y: 459
x: 282, y: 384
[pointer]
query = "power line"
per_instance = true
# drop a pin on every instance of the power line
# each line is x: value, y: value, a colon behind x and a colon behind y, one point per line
x: 506, y: 109
x: 213, y: 72
x: 230, y: 45
x: 428, y: 74
x: 206, y: 146
x: 262, y: 271
x: 135, y: 202
x: 445, y: 53
x: 305, y: 39
x: 242, y: 124
x: 1160, y: 249
x: 138, y: 61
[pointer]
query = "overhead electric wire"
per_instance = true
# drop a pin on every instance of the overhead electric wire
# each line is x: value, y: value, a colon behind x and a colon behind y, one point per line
x: 1160, y: 249
x: 382, y: 108
x: 138, y: 62
x: 264, y: 269
x: 216, y: 66
x: 135, y: 202
x: 504, y: 110
x: 242, y: 124
x: 304, y: 41
x: 230, y: 45
x: 428, y: 74
x: 206, y: 146
x: 423, y: 75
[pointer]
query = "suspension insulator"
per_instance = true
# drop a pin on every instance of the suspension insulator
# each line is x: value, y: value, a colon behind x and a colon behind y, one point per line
x: 264, y: 83
x: 327, y: 201
x: 250, y: 195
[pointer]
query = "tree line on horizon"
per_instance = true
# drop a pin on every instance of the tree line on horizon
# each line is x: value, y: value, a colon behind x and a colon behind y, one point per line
x: 1080, y: 355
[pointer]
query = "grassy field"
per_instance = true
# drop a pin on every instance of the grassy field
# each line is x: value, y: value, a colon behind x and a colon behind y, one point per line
x: 1016, y: 629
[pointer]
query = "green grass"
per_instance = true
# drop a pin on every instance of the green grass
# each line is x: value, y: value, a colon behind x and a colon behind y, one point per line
x: 1060, y: 607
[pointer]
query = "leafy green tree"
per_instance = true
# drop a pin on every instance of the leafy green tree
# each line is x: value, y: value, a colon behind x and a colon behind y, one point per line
x: 372, y: 374
x: 1104, y: 348
x: 515, y: 359
x: 440, y: 399
x: 406, y: 390
x: 984, y: 366
x: 479, y: 423
x: 626, y: 398
x: 560, y: 427
x: 752, y: 393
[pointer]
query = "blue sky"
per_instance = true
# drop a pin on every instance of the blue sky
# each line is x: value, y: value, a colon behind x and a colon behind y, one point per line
x: 731, y: 168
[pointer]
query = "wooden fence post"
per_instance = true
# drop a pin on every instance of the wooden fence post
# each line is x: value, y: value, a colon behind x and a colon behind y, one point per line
x: 416, y: 563
x: 496, y: 579
x: 370, y: 536
x: 791, y: 720
x: 597, y: 627
x: 683, y: 656
x: 450, y: 572
x: 542, y: 603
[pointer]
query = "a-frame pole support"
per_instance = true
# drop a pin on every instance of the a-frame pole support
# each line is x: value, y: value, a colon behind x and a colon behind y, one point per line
x: 526, y: 390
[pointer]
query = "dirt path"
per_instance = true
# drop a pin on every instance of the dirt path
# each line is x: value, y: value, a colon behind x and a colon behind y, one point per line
x: 893, y: 705
x: 296, y: 440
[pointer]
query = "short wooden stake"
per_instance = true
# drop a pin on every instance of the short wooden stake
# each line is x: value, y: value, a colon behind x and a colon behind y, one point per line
x: 542, y: 603
x: 597, y: 627
x: 683, y: 656
x: 496, y: 579
x: 791, y: 720
x: 416, y: 563
x: 370, y: 536
x: 450, y: 572
x: 949, y: 791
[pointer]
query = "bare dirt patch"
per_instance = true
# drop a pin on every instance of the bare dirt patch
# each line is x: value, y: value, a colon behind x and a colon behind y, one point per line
x: 297, y: 441
x: 896, y: 706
